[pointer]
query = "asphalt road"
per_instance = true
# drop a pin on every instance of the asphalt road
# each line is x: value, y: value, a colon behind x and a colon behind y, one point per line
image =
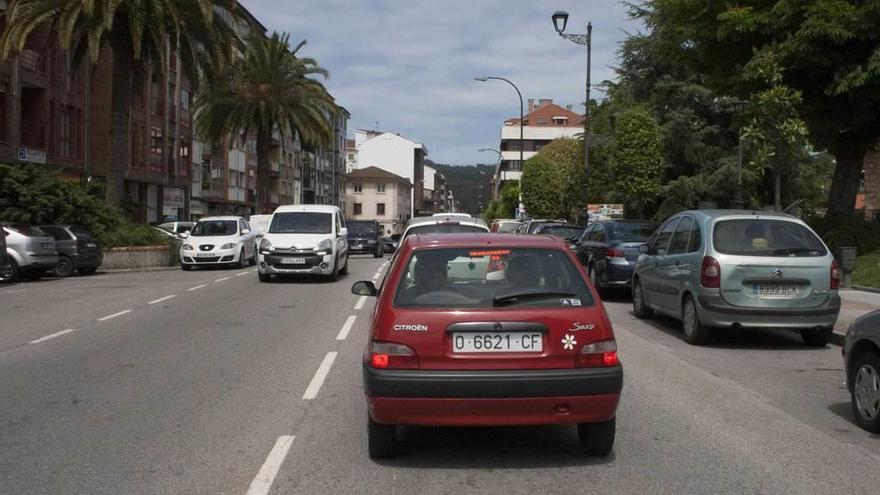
x: 232, y: 385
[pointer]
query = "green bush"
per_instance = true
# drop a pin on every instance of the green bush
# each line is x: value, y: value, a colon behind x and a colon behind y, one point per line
x: 847, y: 229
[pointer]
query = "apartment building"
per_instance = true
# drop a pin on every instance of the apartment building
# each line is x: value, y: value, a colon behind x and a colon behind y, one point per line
x: 375, y: 193
x: 437, y: 198
x: 544, y: 122
x: 398, y: 155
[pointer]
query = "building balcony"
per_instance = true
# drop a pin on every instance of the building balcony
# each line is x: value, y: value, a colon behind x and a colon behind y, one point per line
x: 32, y: 61
x: 506, y: 175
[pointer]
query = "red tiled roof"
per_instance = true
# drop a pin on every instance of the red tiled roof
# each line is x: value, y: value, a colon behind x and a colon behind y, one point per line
x: 374, y: 173
x: 543, y: 117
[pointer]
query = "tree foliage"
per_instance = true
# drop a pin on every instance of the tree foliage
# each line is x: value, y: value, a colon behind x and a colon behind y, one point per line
x: 542, y: 187
x: 637, y: 157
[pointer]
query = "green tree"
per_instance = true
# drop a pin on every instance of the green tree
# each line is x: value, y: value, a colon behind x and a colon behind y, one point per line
x: 138, y: 33
x: 829, y: 50
x: 267, y: 90
x: 541, y: 184
x: 637, y: 157
x: 567, y: 155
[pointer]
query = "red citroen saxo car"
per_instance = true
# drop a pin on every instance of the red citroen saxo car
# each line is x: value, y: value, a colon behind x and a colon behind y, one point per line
x: 489, y: 329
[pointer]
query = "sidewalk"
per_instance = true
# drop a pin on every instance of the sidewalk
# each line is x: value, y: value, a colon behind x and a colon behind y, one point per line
x: 854, y: 303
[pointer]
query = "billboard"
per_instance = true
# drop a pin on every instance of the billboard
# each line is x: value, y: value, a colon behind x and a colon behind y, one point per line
x: 605, y: 211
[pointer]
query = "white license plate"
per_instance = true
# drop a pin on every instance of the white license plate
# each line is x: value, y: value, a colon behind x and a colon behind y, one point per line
x: 293, y: 261
x: 48, y: 245
x: 205, y: 255
x: 497, y: 342
x: 774, y: 290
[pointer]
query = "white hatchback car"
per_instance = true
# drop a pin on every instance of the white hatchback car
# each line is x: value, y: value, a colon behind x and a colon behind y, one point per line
x: 218, y: 241
x: 302, y: 240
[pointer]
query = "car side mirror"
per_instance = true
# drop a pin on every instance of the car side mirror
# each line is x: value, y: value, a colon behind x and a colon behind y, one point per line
x: 343, y: 232
x: 183, y: 235
x: 364, y: 288
x: 245, y: 231
x: 643, y: 249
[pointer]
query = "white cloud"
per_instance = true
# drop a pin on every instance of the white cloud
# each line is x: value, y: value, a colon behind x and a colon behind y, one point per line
x: 410, y: 64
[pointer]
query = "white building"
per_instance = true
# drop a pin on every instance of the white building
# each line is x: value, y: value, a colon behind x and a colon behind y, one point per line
x: 376, y: 194
x: 395, y: 154
x: 544, y: 122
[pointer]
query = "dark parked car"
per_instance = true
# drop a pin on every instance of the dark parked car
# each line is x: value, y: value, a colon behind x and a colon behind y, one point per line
x: 610, y: 248
x: 391, y: 242
x: 565, y: 231
x: 364, y: 236
x: 78, y: 249
x: 530, y: 226
x: 861, y: 354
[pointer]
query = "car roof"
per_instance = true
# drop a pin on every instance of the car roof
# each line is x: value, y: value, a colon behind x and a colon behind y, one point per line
x: 470, y: 239
x: 738, y: 213
x: 626, y: 220
x: 445, y: 219
x: 307, y: 209
x: 212, y: 219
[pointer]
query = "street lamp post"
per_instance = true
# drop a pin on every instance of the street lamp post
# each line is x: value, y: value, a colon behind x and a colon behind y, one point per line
x: 560, y: 20
x: 521, y: 116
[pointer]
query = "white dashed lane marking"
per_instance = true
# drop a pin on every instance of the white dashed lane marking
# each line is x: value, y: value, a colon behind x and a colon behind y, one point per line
x: 52, y: 336
x: 346, y: 327
x: 360, y: 303
x: 320, y: 376
x: 114, y: 315
x: 201, y: 286
x: 241, y: 274
x: 221, y: 279
x: 263, y: 482
x: 162, y: 299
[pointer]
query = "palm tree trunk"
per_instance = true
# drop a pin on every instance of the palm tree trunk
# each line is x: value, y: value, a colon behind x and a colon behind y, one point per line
x: 120, y: 124
x: 264, y: 140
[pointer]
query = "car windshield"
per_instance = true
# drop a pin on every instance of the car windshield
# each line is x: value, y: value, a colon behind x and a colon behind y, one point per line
x: 563, y: 231
x: 631, y: 232
x: 301, y: 222
x: 496, y: 277
x: 207, y: 228
x: 764, y: 237
x: 506, y: 227
x: 82, y: 233
x: 360, y: 228
x: 27, y: 230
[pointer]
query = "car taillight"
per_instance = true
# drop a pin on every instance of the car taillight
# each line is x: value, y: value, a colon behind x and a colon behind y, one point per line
x: 614, y: 253
x: 80, y: 245
x: 388, y: 355
x: 597, y: 354
x: 496, y: 264
x: 710, y: 273
x: 835, y: 275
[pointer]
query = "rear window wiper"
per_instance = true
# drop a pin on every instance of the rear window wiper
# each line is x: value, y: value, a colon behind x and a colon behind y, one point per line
x: 796, y: 250
x: 515, y: 297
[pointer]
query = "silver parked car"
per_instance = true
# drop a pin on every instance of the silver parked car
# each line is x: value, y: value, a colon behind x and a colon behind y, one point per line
x: 29, y: 251
x: 735, y: 269
x: 861, y: 355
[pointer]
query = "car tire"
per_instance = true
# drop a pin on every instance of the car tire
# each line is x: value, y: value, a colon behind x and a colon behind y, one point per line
x: 381, y: 441
x: 640, y: 307
x: 242, y: 261
x: 264, y: 277
x: 865, y: 393
x: 65, y: 267
x: 379, y: 252
x: 9, y: 273
x: 597, y: 439
x: 254, y: 259
x: 185, y: 267
x: 90, y: 270
x: 817, y: 337
x: 344, y: 270
x: 35, y: 274
x: 694, y: 332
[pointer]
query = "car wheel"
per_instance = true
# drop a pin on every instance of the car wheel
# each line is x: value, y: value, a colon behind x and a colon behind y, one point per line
x: 185, y: 267
x: 640, y: 308
x: 380, y: 439
x: 9, y: 273
x: 597, y: 439
x: 695, y: 333
x: 816, y: 337
x: 865, y: 394
x: 87, y: 270
x: 378, y: 253
x: 344, y: 270
x: 254, y: 259
x: 242, y: 261
x: 35, y: 274
x: 64, y: 268
x: 264, y: 277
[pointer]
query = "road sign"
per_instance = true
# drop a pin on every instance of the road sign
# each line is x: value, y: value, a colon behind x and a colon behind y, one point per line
x: 31, y: 155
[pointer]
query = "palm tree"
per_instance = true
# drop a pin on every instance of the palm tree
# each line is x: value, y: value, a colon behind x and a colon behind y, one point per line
x: 139, y: 33
x: 268, y: 89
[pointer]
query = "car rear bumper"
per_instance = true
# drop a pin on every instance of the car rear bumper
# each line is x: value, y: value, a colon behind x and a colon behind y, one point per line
x: 617, y: 275
x: 716, y: 312
x: 86, y: 260
x: 492, y: 397
x: 39, y: 261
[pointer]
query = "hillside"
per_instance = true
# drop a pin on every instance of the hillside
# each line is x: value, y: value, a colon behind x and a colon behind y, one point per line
x: 464, y: 181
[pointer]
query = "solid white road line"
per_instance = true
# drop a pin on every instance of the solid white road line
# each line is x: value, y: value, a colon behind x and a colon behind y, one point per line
x: 375, y: 277
x: 157, y: 301
x: 346, y: 327
x: 52, y: 336
x: 241, y: 274
x: 114, y: 315
x: 263, y: 482
x: 360, y: 304
x: 16, y: 291
x: 320, y: 376
x: 221, y: 279
x: 196, y: 287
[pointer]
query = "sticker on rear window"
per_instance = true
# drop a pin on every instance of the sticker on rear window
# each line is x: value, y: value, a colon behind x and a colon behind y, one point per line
x: 570, y: 301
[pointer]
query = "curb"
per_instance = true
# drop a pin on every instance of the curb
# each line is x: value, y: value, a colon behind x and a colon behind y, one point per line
x: 866, y: 289
x: 131, y: 270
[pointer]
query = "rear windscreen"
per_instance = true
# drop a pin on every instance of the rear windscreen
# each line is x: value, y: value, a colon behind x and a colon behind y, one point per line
x: 764, y: 237
x: 27, y: 230
x: 631, y: 232
x: 507, y: 227
x: 562, y: 231
x: 445, y: 228
x: 496, y: 277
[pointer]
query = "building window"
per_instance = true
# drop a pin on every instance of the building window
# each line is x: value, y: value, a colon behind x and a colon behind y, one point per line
x: 184, y: 99
x: 380, y: 209
x: 358, y: 188
x: 560, y: 120
x: 156, y: 140
x: 358, y: 209
x: 351, y: 157
x: 184, y: 149
x: 64, y: 131
x: 380, y: 188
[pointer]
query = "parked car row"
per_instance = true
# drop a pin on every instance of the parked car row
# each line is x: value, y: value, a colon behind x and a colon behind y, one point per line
x: 33, y: 251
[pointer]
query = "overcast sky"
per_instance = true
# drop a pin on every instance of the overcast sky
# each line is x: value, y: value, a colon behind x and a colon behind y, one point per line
x: 410, y: 64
